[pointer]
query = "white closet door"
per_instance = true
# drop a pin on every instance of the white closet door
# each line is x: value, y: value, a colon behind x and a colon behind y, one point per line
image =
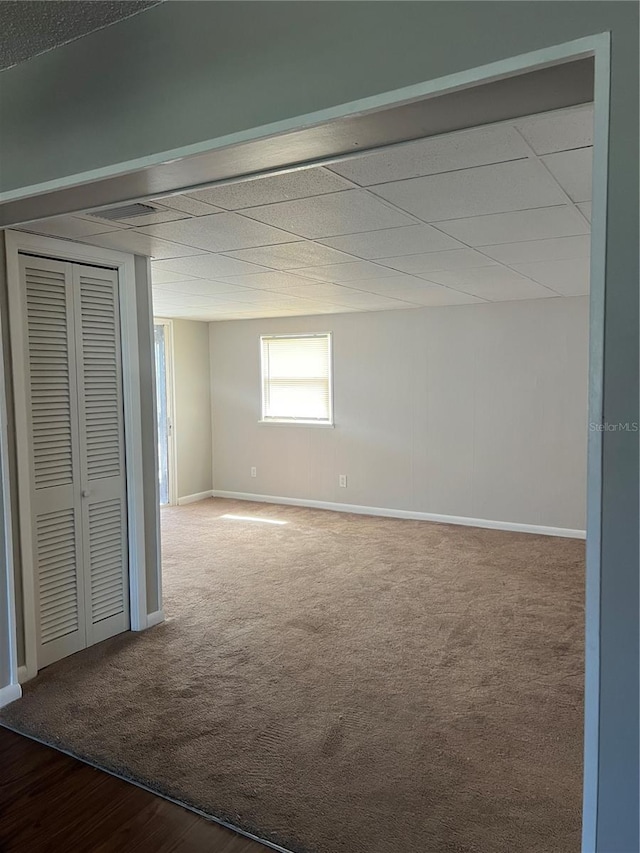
x: 53, y: 426
x: 102, y: 475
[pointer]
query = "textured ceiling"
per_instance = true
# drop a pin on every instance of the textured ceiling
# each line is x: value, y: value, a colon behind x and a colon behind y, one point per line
x: 490, y: 214
x: 31, y: 27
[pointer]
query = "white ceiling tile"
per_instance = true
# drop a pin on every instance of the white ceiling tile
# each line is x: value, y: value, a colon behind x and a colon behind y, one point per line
x: 417, y: 291
x: 447, y: 153
x: 207, y: 316
x: 241, y: 315
x: 258, y: 314
x: 69, y: 227
x: 373, y: 302
x: 330, y: 215
x: 555, y: 248
x: 393, y: 242
x: 198, y: 286
x: 559, y: 131
x: 267, y: 301
x: 185, y: 204
x: 206, y: 265
x: 504, y: 187
x: 336, y: 294
x: 289, y: 256
x: 322, y: 292
x: 437, y: 296
x: 236, y: 309
x: 173, y: 312
x: 199, y: 315
x: 132, y: 240
x: 262, y: 297
x: 365, y: 299
x: 219, y: 232
x: 389, y: 284
x: 585, y: 208
x: 210, y: 315
x: 561, y: 221
x: 351, y: 271
x: 336, y: 309
x: 425, y: 262
x: 161, y: 276
x: 269, y: 280
x: 566, y: 277
x: 370, y: 301
x: 186, y: 300
x: 572, y: 170
x: 303, y: 183
x: 496, y: 284
x: 224, y: 308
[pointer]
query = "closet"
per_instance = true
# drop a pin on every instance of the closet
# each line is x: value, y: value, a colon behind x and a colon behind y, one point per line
x: 75, y: 536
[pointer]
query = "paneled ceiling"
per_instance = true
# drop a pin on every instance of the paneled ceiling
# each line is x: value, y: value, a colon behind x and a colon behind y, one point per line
x: 484, y: 215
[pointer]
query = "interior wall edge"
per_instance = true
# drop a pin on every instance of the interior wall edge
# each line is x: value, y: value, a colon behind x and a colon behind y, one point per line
x: 12, y: 542
x: 9, y: 694
x: 148, y: 418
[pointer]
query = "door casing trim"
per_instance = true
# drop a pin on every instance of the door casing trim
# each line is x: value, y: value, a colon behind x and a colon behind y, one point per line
x: 171, y: 412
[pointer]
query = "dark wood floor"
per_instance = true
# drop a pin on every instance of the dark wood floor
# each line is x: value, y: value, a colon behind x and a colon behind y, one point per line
x: 51, y: 802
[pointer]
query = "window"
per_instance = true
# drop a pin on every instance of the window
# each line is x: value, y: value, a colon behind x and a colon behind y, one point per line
x: 296, y: 379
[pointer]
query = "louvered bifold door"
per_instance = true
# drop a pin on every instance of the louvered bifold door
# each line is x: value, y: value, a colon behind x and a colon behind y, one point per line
x: 104, y: 504
x: 52, y: 427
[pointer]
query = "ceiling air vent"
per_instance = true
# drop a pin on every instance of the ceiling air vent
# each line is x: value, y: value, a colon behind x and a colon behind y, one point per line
x: 127, y: 211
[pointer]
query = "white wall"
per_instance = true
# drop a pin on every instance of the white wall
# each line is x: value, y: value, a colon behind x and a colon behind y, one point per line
x: 477, y: 411
x: 192, y: 405
x: 148, y: 423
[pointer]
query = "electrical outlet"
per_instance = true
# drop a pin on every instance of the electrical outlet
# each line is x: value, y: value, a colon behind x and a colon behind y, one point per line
x: 254, y: 472
x: 342, y: 481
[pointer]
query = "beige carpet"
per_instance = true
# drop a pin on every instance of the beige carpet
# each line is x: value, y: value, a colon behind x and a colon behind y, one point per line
x: 345, y: 684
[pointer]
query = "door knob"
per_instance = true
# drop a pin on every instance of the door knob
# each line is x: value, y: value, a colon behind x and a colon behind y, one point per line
x: 85, y: 493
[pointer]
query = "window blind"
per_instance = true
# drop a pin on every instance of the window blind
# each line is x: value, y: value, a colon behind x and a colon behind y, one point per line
x: 296, y: 378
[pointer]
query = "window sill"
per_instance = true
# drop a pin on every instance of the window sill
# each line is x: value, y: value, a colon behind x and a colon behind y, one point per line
x: 315, y: 424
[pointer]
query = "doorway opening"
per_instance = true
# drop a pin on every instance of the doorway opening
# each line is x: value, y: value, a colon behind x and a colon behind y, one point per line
x: 246, y: 294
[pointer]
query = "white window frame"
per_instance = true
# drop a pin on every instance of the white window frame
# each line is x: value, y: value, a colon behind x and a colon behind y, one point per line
x: 170, y: 391
x: 298, y: 421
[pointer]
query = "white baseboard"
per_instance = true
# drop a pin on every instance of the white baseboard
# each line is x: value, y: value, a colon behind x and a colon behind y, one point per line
x: 155, y: 618
x: 23, y: 674
x: 408, y: 514
x: 9, y: 694
x: 191, y: 499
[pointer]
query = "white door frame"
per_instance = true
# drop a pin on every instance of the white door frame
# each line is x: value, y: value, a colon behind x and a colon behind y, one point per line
x: 12, y: 691
x: 19, y: 242
x: 593, y: 45
x: 171, y: 414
